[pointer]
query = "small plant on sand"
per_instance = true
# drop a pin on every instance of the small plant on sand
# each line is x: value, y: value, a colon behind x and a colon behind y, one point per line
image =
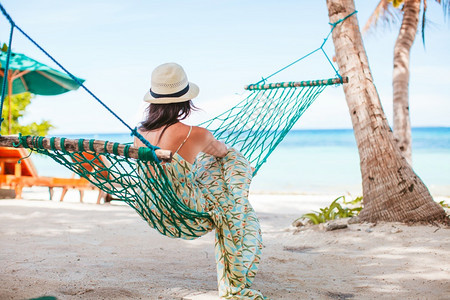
x: 446, y: 207
x: 444, y: 204
x: 335, y: 210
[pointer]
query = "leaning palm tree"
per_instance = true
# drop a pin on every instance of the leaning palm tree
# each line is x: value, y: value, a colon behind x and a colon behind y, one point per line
x: 408, y: 11
x: 391, y: 189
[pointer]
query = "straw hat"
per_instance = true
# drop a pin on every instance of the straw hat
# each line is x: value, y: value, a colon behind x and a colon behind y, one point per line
x: 170, y: 85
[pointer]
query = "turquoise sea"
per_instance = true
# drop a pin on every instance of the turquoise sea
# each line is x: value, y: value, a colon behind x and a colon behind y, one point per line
x: 320, y: 161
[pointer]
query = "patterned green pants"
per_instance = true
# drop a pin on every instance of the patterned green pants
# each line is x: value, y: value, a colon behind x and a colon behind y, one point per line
x: 219, y: 187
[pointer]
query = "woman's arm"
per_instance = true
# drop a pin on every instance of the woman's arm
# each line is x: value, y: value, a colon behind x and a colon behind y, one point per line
x: 216, y: 148
x: 213, y: 146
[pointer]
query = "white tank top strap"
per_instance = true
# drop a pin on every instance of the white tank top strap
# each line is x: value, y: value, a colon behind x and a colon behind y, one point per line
x: 181, y: 145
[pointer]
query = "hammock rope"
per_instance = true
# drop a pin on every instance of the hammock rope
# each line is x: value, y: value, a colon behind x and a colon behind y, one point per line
x: 255, y: 126
x: 133, y: 131
x: 127, y: 173
x: 6, y: 68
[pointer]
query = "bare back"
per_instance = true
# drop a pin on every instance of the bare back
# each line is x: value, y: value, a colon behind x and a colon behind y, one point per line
x: 187, y: 141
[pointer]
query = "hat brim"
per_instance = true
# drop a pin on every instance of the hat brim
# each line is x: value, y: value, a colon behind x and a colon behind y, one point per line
x: 191, y: 94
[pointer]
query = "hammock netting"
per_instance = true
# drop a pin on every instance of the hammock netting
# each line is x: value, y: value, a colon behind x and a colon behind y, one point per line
x: 136, y: 176
x: 255, y: 127
x: 259, y: 123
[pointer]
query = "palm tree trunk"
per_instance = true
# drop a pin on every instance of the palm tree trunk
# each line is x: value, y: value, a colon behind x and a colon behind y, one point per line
x: 391, y: 189
x: 400, y: 80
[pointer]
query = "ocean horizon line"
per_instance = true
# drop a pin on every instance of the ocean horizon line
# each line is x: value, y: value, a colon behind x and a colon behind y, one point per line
x: 319, y: 160
x: 296, y: 130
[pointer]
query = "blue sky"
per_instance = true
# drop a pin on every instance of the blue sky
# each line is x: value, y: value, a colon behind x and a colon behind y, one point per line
x: 223, y: 45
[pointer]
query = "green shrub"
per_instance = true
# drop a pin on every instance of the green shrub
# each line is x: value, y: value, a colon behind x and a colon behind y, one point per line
x: 443, y: 204
x: 335, y: 210
x: 19, y: 104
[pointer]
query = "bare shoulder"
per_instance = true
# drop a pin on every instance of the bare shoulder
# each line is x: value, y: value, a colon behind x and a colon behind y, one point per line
x: 200, y: 130
x: 208, y: 144
x: 201, y: 134
x: 137, y: 142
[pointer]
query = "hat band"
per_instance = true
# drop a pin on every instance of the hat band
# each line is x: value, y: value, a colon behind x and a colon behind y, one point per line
x: 174, y: 95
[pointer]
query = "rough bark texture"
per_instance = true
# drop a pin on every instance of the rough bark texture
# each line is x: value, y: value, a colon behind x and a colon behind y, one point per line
x: 400, y: 80
x: 391, y: 189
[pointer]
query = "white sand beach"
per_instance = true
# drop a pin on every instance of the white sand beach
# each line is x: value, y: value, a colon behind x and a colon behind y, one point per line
x: 73, y: 250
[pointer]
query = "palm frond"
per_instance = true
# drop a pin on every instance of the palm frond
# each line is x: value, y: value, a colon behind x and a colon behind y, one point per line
x: 385, y: 14
x: 445, y: 7
x: 396, y: 3
x: 424, y: 20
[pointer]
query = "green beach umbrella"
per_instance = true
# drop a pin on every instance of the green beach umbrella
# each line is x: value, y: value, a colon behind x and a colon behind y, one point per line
x: 28, y: 75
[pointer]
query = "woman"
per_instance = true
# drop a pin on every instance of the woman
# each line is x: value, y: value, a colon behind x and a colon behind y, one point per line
x: 207, y: 177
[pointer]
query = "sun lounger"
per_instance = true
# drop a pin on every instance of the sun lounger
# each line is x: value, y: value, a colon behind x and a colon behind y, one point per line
x: 97, y: 165
x: 17, y: 175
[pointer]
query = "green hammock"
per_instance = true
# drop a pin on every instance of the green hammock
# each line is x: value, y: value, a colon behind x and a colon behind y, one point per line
x: 259, y: 123
x: 255, y: 127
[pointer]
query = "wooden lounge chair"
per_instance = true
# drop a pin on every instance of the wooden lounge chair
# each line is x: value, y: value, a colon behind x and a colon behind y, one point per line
x: 97, y: 165
x: 17, y: 176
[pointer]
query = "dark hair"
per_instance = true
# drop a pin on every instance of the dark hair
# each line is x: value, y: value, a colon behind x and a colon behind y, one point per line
x: 159, y: 115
